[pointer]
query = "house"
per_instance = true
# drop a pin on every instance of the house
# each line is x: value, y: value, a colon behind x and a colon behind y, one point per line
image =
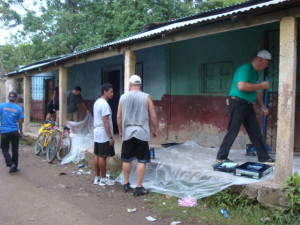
x: 187, y: 66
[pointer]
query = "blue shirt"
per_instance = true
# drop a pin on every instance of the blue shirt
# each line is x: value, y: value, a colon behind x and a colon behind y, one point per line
x: 10, y: 113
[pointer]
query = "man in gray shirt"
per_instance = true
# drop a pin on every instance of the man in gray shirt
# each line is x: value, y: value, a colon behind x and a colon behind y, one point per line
x: 74, y: 99
x: 135, y: 110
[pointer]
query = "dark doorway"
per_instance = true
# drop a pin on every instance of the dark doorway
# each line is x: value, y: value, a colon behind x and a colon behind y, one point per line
x: 114, y: 76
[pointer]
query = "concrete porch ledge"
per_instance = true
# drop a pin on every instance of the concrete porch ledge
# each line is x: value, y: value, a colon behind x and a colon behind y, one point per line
x: 267, y: 193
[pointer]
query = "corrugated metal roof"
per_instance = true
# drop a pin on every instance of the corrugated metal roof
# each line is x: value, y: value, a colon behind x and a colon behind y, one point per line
x: 152, y: 33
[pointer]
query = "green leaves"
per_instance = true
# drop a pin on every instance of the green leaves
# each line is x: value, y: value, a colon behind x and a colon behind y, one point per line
x: 293, y: 193
x: 62, y: 27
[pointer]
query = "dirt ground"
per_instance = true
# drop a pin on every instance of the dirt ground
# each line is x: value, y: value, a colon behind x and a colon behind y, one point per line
x: 44, y: 194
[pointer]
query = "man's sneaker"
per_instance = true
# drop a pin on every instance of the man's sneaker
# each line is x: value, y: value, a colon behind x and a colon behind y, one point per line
x: 140, y: 191
x: 13, y: 168
x: 106, y: 181
x: 96, y: 180
x: 223, y: 160
x: 126, y: 187
x: 269, y: 161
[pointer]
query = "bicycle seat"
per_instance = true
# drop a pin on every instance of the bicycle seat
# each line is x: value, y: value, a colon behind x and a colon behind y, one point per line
x: 66, y: 128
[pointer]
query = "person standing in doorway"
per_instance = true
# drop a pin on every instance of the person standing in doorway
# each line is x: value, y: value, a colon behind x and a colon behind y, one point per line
x: 11, y: 129
x: 135, y: 110
x: 244, y: 92
x: 74, y: 99
x: 55, y: 100
x: 103, y: 135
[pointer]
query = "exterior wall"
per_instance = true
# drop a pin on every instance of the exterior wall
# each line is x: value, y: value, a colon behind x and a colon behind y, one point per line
x: 154, y: 65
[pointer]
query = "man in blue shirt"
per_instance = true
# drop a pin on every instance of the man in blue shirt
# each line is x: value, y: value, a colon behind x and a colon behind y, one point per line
x: 11, y: 129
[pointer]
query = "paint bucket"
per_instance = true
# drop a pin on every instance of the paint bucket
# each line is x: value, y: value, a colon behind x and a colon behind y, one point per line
x: 249, y: 150
x: 152, y: 153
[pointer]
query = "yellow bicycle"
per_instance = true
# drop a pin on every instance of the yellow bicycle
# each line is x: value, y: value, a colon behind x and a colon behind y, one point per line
x: 59, y: 145
x: 45, y: 135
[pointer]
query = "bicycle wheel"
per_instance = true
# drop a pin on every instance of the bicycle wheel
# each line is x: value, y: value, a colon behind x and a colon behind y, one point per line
x: 52, y: 149
x: 39, y: 144
x: 65, y: 146
x: 47, y: 141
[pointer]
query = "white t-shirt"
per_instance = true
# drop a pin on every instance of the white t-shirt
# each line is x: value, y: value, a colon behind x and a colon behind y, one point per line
x: 101, y: 108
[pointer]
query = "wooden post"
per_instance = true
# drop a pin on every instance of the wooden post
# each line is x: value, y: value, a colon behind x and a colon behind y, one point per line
x: 286, y: 99
x: 130, y: 62
x: 26, y: 86
x: 63, y: 77
x: 3, y: 96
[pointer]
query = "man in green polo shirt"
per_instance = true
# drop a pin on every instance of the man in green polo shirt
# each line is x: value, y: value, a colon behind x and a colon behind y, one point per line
x: 244, y: 92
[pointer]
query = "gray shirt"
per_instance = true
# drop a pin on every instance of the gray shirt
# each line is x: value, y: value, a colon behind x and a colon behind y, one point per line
x: 73, y: 101
x: 135, y: 117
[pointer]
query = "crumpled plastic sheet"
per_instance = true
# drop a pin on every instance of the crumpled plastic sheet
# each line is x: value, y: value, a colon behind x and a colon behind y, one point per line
x: 82, y: 139
x: 186, y: 170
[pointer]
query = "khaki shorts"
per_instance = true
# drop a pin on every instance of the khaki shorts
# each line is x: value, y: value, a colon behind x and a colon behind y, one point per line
x: 72, y: 116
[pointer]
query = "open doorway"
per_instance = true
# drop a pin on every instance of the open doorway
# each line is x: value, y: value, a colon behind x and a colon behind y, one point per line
x: 114, y: 76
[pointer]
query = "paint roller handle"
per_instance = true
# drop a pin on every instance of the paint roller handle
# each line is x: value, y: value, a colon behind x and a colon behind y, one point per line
x: 266, y: 95
x: 265, y: 101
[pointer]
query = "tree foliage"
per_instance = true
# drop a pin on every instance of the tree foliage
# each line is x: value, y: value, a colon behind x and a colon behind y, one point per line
x: 66, y: 26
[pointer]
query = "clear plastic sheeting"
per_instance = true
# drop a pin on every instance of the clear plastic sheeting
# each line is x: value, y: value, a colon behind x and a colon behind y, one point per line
x: 186, y: 170
x: 85, y: 126
x: 82, y: 139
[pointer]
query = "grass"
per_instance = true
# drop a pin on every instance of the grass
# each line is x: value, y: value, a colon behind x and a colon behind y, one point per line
x: 241, y: 210
x: 27, y: 140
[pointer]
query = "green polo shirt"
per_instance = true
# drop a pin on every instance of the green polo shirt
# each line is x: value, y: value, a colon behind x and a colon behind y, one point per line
x: 245, y: 73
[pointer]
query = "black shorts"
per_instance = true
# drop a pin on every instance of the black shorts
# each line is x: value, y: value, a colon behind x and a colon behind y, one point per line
x: 49, y: 108
x: 104, y: 149
x: 56, y: 106
x: 135, y: 149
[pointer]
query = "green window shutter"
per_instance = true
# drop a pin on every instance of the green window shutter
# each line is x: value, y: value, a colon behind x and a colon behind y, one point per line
x: 216, y: 77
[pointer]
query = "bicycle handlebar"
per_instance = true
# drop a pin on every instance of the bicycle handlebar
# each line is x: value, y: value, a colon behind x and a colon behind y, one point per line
x: 53, y: 123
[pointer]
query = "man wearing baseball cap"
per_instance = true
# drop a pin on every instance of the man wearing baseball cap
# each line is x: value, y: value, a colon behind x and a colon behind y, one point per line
x: 135, y: 111
x: 11, y: 129
x: 244, y: 92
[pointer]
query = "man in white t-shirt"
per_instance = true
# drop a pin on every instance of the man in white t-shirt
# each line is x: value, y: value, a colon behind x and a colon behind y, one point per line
x: 103, y: 135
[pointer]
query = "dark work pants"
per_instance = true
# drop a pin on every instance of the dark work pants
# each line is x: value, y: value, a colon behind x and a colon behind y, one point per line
x: 240, y: 113
x: 6, y: 139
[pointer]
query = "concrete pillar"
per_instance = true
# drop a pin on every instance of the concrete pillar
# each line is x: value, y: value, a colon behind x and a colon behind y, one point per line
x: 3, y: 96
x: 286, y: 99
x: 26, y: 83
x: 63, y: 78
x: 130, y: 62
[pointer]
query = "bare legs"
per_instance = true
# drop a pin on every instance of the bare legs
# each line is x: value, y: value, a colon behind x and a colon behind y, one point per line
x: 140, y: 172
x: 100, y: 166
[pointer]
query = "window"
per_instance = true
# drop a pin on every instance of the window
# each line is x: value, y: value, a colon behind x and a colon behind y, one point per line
x: 216, y: 77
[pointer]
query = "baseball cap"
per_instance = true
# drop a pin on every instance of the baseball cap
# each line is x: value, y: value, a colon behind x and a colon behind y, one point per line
x: 135, y: 79
x: 12, y: 95
x: 265, y: 55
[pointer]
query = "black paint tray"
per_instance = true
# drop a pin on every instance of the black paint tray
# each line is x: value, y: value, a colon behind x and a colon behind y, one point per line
x: 253, y: 170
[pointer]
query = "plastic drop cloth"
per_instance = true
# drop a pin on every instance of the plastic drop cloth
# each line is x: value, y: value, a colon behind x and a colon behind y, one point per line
x: 82, y: 139
x: 186, y: 170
